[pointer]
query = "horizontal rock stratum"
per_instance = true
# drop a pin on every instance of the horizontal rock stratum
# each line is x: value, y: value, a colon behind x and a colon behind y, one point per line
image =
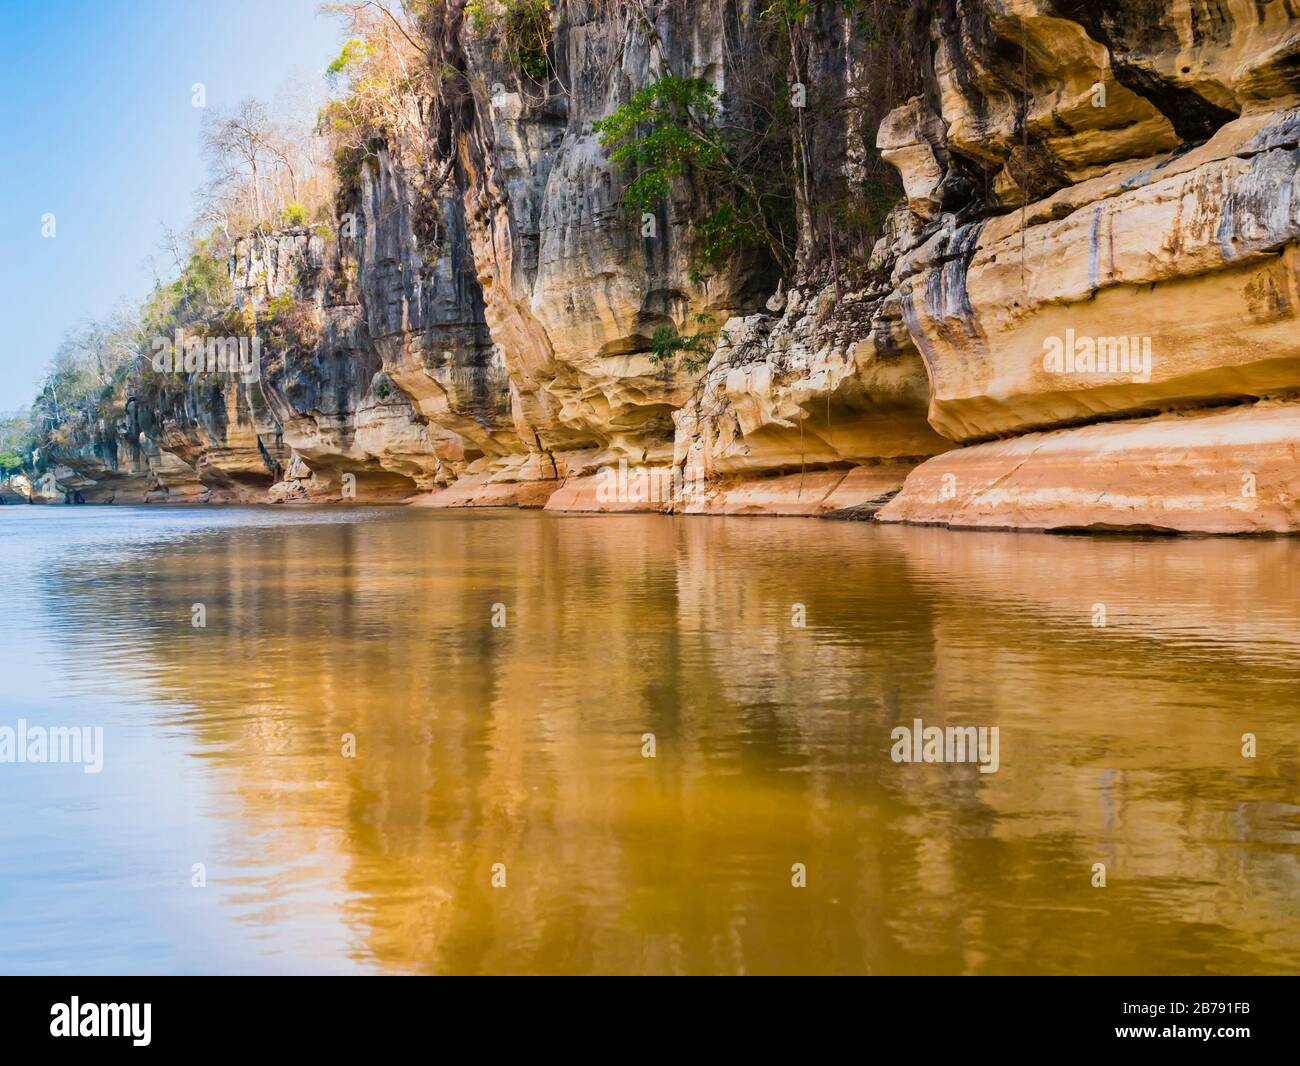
x: 1235, y: 470
x: 1046, y: 277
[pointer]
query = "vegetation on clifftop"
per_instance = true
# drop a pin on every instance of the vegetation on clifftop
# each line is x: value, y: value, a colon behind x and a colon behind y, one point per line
x: 268, y: 169
x: 17, y: 436
x: 520, y: 30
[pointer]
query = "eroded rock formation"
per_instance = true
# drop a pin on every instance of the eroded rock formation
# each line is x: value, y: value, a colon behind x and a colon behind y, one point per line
x: 1080, y: 311
x: 1124, y: 339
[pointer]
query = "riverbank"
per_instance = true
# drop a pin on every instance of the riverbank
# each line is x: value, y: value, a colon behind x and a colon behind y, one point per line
x: 1048, y: 280
x: 1232, y: 472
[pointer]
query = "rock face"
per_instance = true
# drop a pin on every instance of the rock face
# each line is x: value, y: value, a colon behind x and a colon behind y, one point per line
x: 1150, y: 266
x: 114, y: 458
x: 1080, y: 311
x: 1233, y: 470
x: 16, y: 488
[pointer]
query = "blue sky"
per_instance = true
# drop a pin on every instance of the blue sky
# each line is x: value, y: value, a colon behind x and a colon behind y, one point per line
x: 99, y: 129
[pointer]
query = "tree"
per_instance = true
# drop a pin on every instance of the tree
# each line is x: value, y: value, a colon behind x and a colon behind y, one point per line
x: 240, y: 141
x: 384, y: 82
x: 672, y: 129
x: 263, y: 160
x: 17, y: 434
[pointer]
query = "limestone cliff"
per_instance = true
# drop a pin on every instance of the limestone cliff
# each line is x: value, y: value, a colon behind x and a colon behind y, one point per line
x: 1043, y: 274
x: 1128, y: 329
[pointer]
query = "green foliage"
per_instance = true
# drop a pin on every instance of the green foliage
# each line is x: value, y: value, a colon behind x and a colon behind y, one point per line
x: 288, y: 322
x: 380, y: 73
x: 670, y: 130
x: 10, y: 461
x: 666, y: 344
x: 383, y: 389
x: 662, y: 133
x: 294, y: 215
x: 525, y: 28
x: 354, y: 50
x: 347, y: 167
x: 202, y: 292
x: 481, y: 16
x: 17, y: 433
x: 793, y: 11
x: 279, y: 306
x: 796, y: 12
x: 764, y: 173
x: 527, y: 34
x: 722, y: 233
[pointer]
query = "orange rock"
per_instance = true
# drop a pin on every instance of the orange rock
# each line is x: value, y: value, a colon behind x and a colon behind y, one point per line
x: 1232, y: 470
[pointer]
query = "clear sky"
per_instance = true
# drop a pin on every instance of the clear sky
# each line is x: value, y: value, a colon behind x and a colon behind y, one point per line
x: 99, y: 130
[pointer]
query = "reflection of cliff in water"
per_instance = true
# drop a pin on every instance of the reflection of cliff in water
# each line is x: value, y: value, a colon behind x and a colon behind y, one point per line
x: 522, y: 745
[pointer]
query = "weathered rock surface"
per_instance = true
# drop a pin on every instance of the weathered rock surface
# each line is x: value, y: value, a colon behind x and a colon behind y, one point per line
x: 1151, y: 267
x: 1180, y: 275
x: 1095, y: 250
x: 17, y: 488
x: 1231, y: 471
x: 114, y: 459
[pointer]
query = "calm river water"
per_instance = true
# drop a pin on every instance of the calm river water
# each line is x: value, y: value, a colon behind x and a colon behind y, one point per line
x: 498, y: 672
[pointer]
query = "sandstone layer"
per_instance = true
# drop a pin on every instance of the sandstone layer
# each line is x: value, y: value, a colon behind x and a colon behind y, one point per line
x: 1230, y: 471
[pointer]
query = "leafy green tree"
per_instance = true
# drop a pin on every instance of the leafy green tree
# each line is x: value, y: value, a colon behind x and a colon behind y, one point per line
x: 671, y: 130
x: 354, y: 50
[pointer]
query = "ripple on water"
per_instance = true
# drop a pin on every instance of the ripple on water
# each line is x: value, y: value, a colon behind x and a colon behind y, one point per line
x: 522, y: 744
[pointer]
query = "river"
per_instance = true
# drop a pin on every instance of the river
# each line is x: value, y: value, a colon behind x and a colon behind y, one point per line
x: 417, y: 741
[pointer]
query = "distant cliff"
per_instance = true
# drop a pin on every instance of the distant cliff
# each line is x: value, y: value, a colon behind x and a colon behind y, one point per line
x: 1043, y: 272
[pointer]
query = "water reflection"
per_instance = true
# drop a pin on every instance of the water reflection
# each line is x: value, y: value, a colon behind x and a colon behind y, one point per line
x: 522, y: 744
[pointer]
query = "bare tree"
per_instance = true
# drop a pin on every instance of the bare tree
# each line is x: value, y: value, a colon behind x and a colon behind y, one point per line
x: 238, y: 141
